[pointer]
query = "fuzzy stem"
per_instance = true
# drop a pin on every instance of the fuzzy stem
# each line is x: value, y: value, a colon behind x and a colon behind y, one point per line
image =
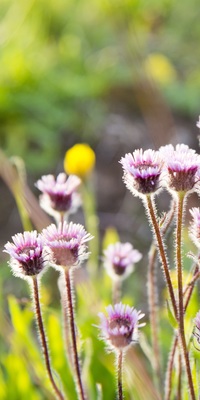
x: 151, y: 211
x: 153, y: 310
x: 43, y: 337
x: 168, y: 379
x: 187, y: 294
x: 180, y: 209
x: 179, y: 391
x: 116, y: 291
x: 70, y: 310
x: 119, y: 375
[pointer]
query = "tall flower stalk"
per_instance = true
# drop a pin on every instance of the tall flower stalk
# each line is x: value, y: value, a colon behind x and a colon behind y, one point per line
x: 67, y: 244
x: 119, y: 329
x: 28, y: 261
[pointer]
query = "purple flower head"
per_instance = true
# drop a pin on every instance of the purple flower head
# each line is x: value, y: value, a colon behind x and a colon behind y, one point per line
x: 142, y: 171
x: 67, y: 244
x: 59, y: 195
x: 119, y: 259
x: 182, y: 166
x: 120, y: 327
x: 26, y: 254
x: 195, y: 226
x: 196, y: 331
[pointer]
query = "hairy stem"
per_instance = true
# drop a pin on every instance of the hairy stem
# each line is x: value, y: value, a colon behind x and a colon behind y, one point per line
x: 70, y: 310
x: 151, y: 211
x: 180, y: 209
x: 43, y: 338
x: 153, y: 310
x: 116, y: 291
x: 119, y: 374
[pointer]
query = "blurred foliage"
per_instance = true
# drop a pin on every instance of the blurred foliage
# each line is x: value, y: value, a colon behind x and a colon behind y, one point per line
x: 61, y: 60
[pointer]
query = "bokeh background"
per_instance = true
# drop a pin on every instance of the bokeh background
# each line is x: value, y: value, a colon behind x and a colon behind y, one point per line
x: 117, y: 74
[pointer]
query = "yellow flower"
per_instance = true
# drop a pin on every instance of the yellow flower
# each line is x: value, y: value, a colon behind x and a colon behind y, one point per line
x: 160, y: 68
x: 79, y: 160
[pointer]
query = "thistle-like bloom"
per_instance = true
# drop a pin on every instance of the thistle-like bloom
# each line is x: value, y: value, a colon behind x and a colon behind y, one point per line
x: 195, y: 226
x: 182, y: 166
x: 119, y: 260
x: 67, y: 244
x: 27, y: 257
x: 59, y: 195
x: 142, y: 171
x: 120, y: 327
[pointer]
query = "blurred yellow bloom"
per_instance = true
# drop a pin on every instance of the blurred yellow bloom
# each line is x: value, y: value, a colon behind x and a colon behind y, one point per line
x: 79, y: 160
x: 160, y: 68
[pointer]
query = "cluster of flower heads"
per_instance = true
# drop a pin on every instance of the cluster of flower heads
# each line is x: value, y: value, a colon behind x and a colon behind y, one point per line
x: 62, y: 247
x: 175, y: 168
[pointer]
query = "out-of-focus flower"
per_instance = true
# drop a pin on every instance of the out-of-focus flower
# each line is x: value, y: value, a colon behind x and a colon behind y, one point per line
x: 67, y: 244
x: 142, y: 172
x: 59, y: 195
x: 119, y: 259
x: 195, y: 226
x: 182, y: 166
x: 119, y: 328
x: 79, y: 160
x: 27, y: 257
x: 198, y: 123
x: 159, y: 67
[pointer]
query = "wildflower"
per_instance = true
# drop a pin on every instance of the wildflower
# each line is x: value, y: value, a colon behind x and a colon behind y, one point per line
x: 79, y: 160
x: 182, y: 167
x: 59, y: 195
x: 119, y: 259
x: 142, y: 171
x: 67, y: 244
x: 120, y: 327
x: 27, y: 257
x: 198, y: 123
x: 159, y: 67
x: 195, y: 226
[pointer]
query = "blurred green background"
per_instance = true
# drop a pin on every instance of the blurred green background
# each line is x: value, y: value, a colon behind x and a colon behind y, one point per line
x: 118, y: 74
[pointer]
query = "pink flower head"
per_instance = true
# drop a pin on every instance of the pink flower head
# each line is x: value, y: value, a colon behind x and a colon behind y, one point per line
x: 67, y: 244
x: 195, y: 226
x: 59, y: 195
x: 120, y: 327
x: 142, y: 171
x: 119, y: 259
x: 182, y: 166
x: 26, y: 254
x: 196, y: 331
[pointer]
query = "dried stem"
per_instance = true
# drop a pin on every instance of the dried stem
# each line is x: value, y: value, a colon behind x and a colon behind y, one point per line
x: 70, y: 310
x: 43, y: 338
x: 180, y: 209
x: 119, y: 374
x: 151, y: 211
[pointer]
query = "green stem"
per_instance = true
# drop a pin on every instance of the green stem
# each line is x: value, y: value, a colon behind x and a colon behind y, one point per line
x: 43, y: 337
x: 180, y: 209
